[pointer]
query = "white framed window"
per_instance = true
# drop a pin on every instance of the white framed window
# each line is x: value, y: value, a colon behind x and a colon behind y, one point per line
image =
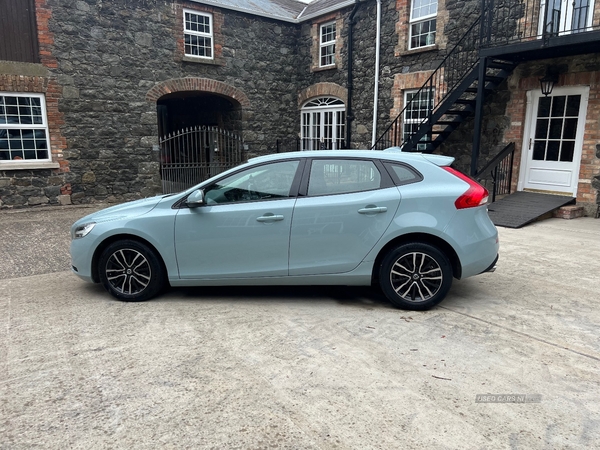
x: 323, y: 124
x: 23, y: 128
x: 418, y: 105
x: 198, y: 34
x: 423, y: 15
x: 327, y: 44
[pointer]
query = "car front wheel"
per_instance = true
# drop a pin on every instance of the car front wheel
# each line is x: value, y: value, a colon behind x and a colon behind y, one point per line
x: 131, y: 271
x: 415, y: 276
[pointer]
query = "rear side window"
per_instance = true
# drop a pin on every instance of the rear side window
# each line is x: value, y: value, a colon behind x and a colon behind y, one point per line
x: 402, y: 174
x: 330, y: 176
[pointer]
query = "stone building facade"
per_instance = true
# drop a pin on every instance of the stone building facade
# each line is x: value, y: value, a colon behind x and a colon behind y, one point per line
x: 118, y: 74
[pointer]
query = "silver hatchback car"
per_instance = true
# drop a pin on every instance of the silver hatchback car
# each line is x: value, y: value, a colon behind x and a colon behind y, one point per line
x: 405, y: 221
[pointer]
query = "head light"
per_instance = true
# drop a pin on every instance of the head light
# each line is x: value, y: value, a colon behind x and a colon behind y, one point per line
x: 83, y: 230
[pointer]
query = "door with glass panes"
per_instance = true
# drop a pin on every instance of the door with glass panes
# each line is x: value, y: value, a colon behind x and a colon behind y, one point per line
x: 323, y: 124
x: 554, y: 140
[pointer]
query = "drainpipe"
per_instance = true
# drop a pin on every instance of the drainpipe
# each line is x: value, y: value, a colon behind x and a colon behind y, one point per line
x: 349, y: 83
x: 376, y: 87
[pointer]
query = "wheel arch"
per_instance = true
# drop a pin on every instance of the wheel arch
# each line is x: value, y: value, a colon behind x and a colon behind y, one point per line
x: 426, y: 239
x: 119, y: 237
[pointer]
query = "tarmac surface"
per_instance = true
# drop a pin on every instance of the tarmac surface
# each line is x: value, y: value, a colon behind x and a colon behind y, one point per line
x: 510, y: 359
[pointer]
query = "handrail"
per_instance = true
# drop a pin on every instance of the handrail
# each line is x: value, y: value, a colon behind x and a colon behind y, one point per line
x: 496, y: 159
x: 500, y: 170
x: 457, y: 64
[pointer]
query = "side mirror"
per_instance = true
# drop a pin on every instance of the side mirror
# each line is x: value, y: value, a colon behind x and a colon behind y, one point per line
x: 195, y: 199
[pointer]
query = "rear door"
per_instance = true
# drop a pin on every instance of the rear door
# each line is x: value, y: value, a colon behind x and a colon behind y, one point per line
x: 346, y: 207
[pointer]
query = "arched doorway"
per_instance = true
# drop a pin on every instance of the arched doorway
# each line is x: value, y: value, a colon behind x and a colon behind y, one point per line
x: 323, y: 124
x: 200, y: 129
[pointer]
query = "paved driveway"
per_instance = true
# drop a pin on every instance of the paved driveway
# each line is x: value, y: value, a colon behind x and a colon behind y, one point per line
x: 301, y: 368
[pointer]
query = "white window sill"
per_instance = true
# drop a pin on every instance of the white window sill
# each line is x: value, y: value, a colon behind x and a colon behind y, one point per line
x: 199, y: 59
x: 417, y: 50
x: 29, y: 165
x: 323, y: 68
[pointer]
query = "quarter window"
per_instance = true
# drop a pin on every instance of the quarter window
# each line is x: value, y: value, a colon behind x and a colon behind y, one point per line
x: 422, y: 23
x: 323, y: 124
x: 23, y: 128
x: 198, y: 34
x: 329, y: 176
x: 402, y: 174
x: 418, y: 106
x: 327, y: 45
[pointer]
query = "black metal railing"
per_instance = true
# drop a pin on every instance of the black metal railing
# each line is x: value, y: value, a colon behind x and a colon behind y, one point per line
x: 192, y: 155
x: 496, y: 176
x: 284, y: 145
x: 512, y: 21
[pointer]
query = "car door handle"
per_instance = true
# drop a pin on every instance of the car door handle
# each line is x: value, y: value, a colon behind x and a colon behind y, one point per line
x: 372, y: 209
x: 270, y: 217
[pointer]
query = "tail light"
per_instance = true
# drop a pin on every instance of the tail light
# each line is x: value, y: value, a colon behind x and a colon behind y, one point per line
x: 475, y: 195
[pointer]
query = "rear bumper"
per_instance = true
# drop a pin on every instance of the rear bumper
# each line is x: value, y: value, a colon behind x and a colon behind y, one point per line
x: 492, y: 267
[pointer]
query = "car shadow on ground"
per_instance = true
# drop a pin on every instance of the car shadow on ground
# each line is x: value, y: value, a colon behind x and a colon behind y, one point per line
x: 355, y: 296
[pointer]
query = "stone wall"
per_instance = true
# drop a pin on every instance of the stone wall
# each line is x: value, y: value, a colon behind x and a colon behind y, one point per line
x: 45, y: 182
x: 108, y: 62
x: 111, y: 54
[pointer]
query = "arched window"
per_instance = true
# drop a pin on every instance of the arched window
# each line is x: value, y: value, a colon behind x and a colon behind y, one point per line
x: 323, y: 124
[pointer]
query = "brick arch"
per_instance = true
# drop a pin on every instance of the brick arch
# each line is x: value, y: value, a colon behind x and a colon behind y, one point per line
x: 322, y: 89
x: 197, y: 84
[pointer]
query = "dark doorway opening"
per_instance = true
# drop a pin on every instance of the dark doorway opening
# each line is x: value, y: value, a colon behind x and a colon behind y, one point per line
x: 183, y: 110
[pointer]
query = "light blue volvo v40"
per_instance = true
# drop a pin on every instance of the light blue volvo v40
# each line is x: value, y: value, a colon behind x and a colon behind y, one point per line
x: 405, y: 221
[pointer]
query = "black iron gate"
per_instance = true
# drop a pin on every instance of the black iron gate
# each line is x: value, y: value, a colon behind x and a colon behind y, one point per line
x: 192, y: 155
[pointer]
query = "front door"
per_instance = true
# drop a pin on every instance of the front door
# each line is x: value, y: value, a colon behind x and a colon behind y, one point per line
x: 554, y: 140
x: 243, y: 230
x: 560, y: 17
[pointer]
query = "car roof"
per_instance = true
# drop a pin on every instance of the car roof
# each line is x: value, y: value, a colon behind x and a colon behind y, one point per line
x: 390, y: 154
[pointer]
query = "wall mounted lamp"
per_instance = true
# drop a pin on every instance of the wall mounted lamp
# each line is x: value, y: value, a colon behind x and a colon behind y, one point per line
x: 547, y: 83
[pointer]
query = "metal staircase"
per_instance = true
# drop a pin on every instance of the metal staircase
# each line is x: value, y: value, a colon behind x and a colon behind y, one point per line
x: 503, y: 35
x: 455, y: 91
x: 459, y: 105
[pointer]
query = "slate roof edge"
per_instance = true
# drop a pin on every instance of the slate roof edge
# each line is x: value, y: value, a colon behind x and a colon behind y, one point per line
x: 298, y: 19
x: 322, y: 12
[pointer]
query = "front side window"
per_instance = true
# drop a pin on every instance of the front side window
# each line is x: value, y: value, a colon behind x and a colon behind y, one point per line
x: 265, y: 182
x: 330, y: 176
x: 198, y: 34
x: 23, y: 128
x: 323, y: 124
x: 327, y: 45
x: 418, y: 106
x: 422, y: 23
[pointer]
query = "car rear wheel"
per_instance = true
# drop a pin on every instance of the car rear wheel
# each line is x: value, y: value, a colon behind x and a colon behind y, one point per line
x: 131, y: 271
x: 415, y: 276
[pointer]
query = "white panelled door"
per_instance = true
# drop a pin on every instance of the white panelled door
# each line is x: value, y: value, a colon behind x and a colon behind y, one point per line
x: 553, y: 140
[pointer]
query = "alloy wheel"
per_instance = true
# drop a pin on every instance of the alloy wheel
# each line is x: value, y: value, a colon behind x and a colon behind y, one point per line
x: 416, y: 277
x: 128, y: 271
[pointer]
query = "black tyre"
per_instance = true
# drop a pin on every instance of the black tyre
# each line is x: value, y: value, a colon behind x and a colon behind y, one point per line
x: 415, y: 276
x: 131, y: 271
